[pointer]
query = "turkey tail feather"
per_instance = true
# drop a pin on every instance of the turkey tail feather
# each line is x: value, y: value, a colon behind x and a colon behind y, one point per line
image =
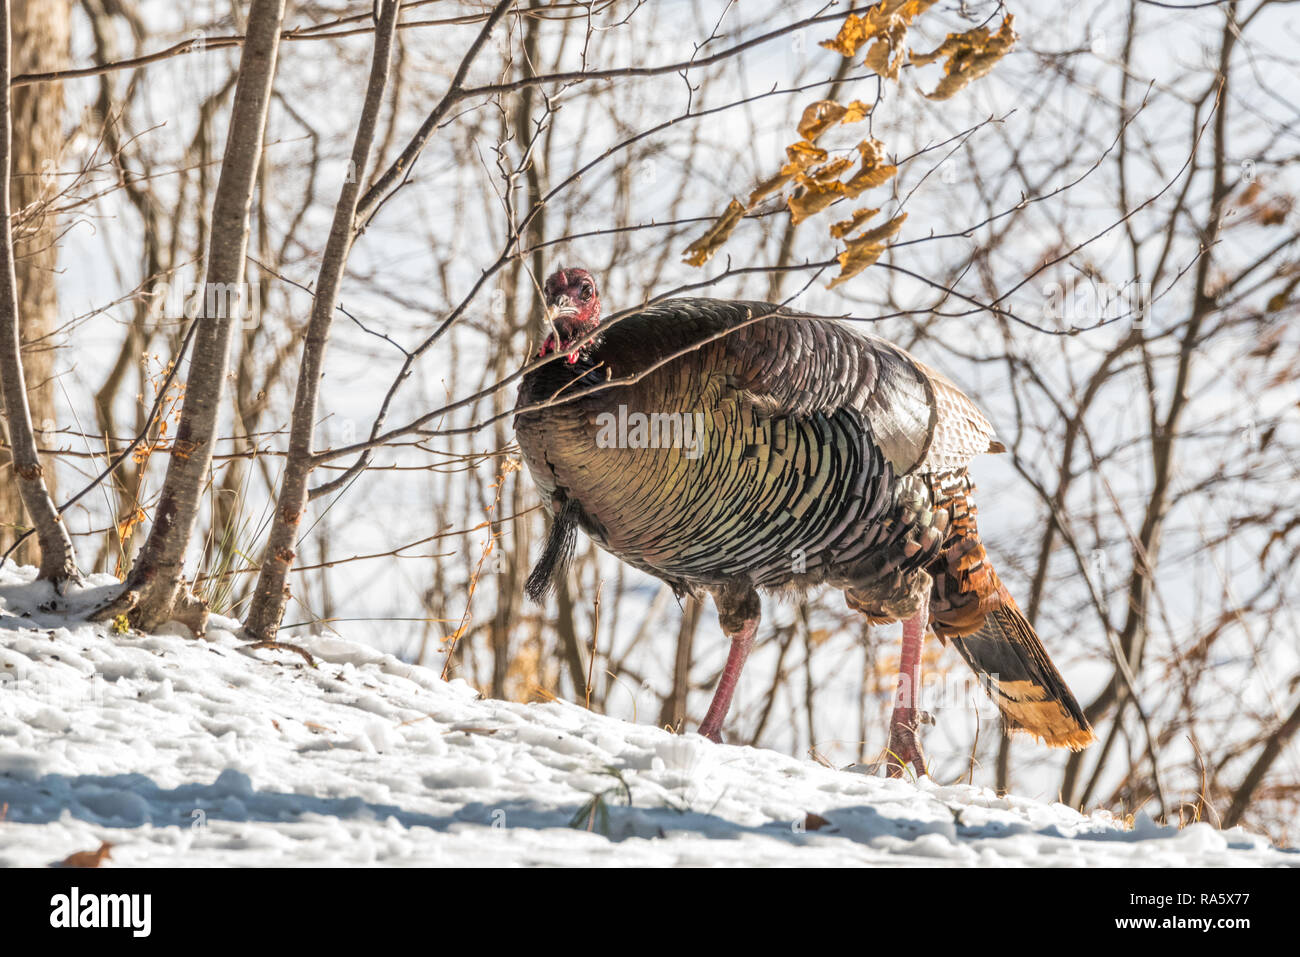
x: 1014, y: 668
x: 972, y: 608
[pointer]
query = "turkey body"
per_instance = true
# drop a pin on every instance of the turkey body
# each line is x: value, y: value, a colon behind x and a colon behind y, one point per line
x: 783, y: 451
x: 728, y: 446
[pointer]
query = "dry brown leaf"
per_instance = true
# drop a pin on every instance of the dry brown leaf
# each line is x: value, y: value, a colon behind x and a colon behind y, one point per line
x: 970, y: 55
x: 845, y: 226
x: 855, y: 260
x: 770, y: 186
x: 877, y: 21
x: 89, y: 858
x: 1251, y: 193
x: 1275, y: 213
x: 887, y: 230
x: 125, y: 526
x: 873, y: 171
x: 862, y: 251
x: 824, y: 174
x: 702, y: 250
x: 1264, y: 209
x: 855, y: 112
x: 814, y: 822
x: 853, y: 31
x: 819, y: 117
x: 821, y: 187
x: 909, y: 10
x: 951, y: 44
x: 814, y: 198
x: 888, y: 52
x: 808, y: 165
x: 803, y: 154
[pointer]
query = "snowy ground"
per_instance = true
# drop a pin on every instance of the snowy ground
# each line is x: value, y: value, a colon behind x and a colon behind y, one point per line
x: 183, y: 752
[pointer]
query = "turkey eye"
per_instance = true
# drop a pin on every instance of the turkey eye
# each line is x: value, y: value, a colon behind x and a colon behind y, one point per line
x: 585, y: 292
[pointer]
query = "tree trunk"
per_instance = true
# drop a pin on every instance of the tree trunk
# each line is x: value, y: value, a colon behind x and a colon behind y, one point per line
x: 272, y: 593
x: 673, y: 713
x: 156, y: 576
x: 39, y: 42
x: 58, y: 563
x: 1273, y: 748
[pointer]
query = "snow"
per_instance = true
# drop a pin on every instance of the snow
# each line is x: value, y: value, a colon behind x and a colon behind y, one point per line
x: 184, y: 752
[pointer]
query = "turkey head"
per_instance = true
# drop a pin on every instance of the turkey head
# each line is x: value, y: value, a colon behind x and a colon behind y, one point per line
x: 572, y: 312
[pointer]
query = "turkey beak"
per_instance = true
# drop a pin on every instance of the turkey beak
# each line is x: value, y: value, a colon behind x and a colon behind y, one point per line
x: 561, y: 308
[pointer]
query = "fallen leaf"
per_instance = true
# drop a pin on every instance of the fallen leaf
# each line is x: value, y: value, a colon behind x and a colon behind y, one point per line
x: 88, y: 858
x: 814, y: 822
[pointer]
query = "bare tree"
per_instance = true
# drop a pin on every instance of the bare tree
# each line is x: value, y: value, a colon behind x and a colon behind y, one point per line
x: 58, y: 562
x: 270, y: 598
x: 39, y: 41
x: 155, y: 587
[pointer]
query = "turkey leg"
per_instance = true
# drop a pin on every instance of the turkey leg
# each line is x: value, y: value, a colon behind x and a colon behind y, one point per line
x: 904, y: 734
x: 739, y: 610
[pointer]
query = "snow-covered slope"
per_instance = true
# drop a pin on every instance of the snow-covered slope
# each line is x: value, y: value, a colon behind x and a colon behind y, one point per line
x: 184, y: 752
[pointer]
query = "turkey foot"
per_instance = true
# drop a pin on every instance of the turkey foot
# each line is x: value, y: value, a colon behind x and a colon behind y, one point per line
x: 905, y: 742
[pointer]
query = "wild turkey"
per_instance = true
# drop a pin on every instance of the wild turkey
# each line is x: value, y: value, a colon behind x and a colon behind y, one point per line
x: 790, y: 452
